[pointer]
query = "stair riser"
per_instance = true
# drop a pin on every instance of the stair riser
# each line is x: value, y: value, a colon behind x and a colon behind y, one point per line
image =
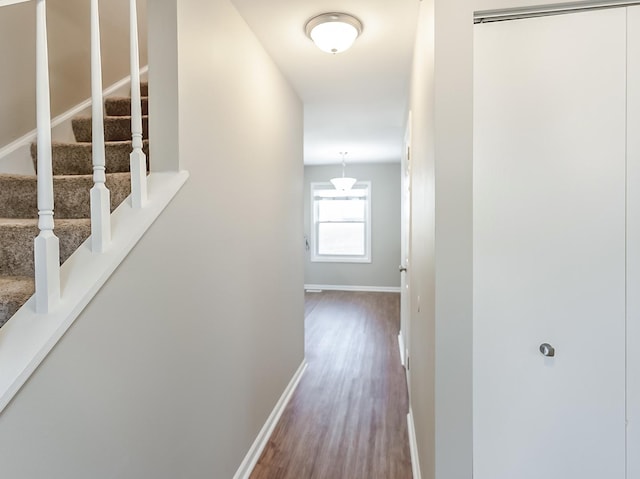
x: 75, y: 159
x: 18, y: 195
x: 9, y: 307
x: 15, y: 291
x: 122, y: 106
x: 16, y: 245
x: 116, y: 128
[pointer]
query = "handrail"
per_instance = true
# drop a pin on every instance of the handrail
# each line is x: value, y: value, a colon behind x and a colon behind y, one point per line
x: 6, y: 3
x: 99, y: 195
x: 137, y: 159
x: 46, y: 245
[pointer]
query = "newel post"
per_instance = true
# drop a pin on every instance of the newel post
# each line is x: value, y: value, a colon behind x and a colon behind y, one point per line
x: 46, y: 245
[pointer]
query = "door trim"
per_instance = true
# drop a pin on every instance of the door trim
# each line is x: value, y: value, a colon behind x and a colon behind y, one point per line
x: 506, y: 14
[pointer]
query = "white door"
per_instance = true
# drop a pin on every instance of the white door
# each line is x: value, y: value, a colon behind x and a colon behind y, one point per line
x: 549, y: 247
x: 405, y: 240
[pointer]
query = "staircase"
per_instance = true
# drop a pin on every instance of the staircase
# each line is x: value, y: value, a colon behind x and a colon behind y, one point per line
x: 73, y: 178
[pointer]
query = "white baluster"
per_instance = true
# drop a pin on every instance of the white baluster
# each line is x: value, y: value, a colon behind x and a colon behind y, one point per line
x: 100, y: 196
x: 138, y: 160
x: 46, y: 245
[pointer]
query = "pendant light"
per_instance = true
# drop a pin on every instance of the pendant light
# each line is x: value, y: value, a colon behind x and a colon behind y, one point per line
x: 333, y: 32
x: 343, y: 183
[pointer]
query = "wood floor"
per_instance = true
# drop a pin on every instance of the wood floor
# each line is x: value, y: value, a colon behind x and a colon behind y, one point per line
x: 348, y: 417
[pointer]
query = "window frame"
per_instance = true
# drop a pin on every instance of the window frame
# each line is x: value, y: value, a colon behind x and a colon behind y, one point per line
x: 314, y: 224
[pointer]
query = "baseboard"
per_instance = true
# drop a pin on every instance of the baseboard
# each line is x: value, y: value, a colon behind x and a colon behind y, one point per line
x: 251, y: 459
x: 343, y: 287
x: 413, y: 446
x: 401, y: 346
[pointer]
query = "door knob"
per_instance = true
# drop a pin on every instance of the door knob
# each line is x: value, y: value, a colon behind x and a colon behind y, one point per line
x: 547, y: 350
x: 403, y: 269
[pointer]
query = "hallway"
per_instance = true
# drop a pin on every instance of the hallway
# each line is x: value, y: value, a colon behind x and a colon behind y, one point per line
x: 348, y: 417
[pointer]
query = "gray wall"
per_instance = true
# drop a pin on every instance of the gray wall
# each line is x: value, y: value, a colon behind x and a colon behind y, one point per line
x: 385, y: 228
x: 175, y: 365
x: 69, y: 57
x: 422, y: 256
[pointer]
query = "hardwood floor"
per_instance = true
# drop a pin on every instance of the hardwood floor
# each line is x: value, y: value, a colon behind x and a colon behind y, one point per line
x: 348, y: 417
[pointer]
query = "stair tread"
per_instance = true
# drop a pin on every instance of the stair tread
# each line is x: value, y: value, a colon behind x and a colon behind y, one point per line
x: 56, y: 177
x: 59, y: 222
x: 14, y: 284
x: 18, y: 194
x: 16, y: 242
x: 116, y: 128
x: 76, y: 158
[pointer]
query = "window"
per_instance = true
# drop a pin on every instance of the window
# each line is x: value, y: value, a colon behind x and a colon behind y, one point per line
x: 341, y: 223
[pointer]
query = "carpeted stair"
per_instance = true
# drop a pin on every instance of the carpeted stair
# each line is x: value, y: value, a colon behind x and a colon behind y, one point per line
x: 73, y: 178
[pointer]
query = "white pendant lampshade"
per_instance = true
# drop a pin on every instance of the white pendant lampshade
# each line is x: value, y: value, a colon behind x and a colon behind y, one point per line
x: 333, y: 32
x: 343, y: 183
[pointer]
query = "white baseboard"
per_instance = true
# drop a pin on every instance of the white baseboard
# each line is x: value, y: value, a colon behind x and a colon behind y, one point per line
x: 413, y: 446
x: 251, y: 459
x: 401, y: 346
x: 343, y: 287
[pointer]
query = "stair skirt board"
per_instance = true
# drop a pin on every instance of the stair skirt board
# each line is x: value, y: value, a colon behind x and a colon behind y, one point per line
x: 13, y: 154
x: 413, y: 446
x: 251, y: 459
x: 26, y: 338
x: 314, y: 288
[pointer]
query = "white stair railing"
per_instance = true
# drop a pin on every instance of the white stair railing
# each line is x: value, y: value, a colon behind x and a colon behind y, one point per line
x: 46, y: 245
x: 138, y: 160
x: 100, y: 195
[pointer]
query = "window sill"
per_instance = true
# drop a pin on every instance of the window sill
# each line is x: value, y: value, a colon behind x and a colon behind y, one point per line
x: 339, y: 259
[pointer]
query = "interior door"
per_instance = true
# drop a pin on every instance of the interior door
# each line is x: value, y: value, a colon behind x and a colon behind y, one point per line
x: 405, y: 240
x: 549, y: 247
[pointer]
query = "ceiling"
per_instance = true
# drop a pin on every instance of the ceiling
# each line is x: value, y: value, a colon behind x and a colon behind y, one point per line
x: 355, y: 101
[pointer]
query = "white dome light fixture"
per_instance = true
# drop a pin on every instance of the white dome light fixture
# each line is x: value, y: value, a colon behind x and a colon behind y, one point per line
x: 333, y: 32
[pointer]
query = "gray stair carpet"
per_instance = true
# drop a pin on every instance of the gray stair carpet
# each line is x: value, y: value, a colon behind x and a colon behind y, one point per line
x: 73, y: 178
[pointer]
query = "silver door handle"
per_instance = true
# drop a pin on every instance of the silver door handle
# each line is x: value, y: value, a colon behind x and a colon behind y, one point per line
x: 403, y: 269
x: 547, y: 350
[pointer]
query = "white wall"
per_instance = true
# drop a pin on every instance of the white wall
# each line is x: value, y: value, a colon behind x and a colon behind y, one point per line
x: 385, y: 228
x: 175, y: 365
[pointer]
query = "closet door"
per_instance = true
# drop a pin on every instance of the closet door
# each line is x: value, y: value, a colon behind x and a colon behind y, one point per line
x: 549, y: 247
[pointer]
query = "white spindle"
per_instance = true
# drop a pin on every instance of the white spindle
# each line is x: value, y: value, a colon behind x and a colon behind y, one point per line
x: 100, y: 196
x: 46, y: 245
x: 138, y: 160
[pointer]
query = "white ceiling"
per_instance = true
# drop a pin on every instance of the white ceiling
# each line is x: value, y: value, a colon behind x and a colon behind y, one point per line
x: 354, y: 101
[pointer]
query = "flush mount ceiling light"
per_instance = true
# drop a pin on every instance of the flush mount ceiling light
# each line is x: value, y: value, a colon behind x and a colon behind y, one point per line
x: 343, y: 183
x: 333, y: 32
